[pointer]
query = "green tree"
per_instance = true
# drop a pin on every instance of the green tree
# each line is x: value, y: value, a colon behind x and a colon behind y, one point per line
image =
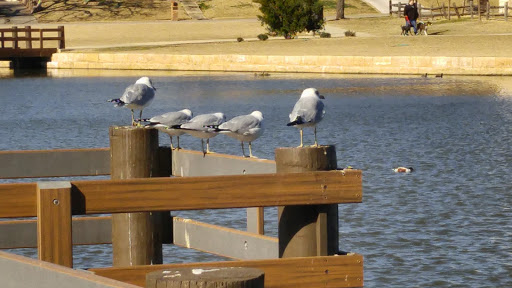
x: 289, y: 17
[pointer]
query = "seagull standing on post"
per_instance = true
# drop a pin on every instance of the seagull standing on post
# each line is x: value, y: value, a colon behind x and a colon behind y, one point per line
x: 168, y: 121
x: 307, y: 112
x: 245, y: 128
x: 136, y: 96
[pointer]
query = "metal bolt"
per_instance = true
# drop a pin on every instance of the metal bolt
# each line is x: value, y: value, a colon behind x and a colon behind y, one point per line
x: 56, y: 202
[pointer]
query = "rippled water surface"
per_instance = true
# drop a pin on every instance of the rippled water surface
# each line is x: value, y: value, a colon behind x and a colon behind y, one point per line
x: 448, y: 224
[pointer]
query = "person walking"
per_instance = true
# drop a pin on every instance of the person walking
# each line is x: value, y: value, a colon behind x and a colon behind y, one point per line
x: 411, y: 14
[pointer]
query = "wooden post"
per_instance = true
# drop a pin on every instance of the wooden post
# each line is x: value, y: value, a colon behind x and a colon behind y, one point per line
x: 488, y: 8
x: 256, y: 220
x: 134, y: 154
x: 41, y: 38
x: 449, y: 9
x: 390, y: 8
x: 399, y: 10
x: 233, y: 277
x: 14, y: 37
x: 479, y: 11
x: 471, y: 8
x: 432, y: 11
x: 28, y: 35
x: 506, y: 11
x: 62, y: 39
x: 54, y: 241
x: 307, y: 230
x: 456, y: 10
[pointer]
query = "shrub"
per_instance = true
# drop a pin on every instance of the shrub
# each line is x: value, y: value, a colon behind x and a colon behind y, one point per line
x: 240, y: 39
x: 325, y: 35
x: 349, y: 33
x: 289, y: 17
x: 263, y: 37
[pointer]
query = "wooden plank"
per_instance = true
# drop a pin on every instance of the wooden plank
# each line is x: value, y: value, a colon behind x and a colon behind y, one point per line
x: 55, y: 163
x: 20, y: 272
x: 189, y: 193
x: 18, y: 200
x: 86, y: 231
x: 54, y: 242
x: 192, y: 163
x: 223, y: 241
x: 325, y: 271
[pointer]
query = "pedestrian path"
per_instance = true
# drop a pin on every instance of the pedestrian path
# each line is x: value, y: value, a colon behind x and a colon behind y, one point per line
x: 15, y: 13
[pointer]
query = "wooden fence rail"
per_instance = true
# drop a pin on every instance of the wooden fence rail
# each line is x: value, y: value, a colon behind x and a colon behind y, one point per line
x: 16, y: 35
x: 447, y: 11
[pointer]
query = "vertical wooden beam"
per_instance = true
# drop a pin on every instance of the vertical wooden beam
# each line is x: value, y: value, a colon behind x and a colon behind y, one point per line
x: 62, y: 39
x: 28, y: 35
x: 307, y: 230
x: 479, y: 11
x: 390, y: 8
x: 54, y: 240
x: 488, y: 8
x: 15, y: 37
x: 399, y: 10
x: 456, y: 10
x: 136, y: 239
x: 419, y: 11
x: 449, y: 9
x: 506, y: 11
x: 256, y: 220
x: 471, y: 8
x: 41, y: 38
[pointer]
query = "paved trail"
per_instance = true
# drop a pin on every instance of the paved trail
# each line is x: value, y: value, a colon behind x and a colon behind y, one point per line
x: 14, y: 13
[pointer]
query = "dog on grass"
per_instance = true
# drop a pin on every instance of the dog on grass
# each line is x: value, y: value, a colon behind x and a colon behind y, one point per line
x: 423, y: 27
x: 406, y: 29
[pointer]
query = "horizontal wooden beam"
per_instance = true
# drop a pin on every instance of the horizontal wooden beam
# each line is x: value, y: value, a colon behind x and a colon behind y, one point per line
x: 19, y: 271
x: 327, y: 271
x: 86, y: 231
x: 55, y: 163
x: 223, y: 241
x: 193, y: 163
x: 216, y: 192
x: 18, y: 200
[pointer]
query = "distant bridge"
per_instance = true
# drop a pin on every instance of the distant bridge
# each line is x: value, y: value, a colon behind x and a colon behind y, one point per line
x: 27, y: 44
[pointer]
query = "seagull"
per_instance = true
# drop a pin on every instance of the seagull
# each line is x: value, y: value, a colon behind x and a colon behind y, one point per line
x: 136, y: 96
x: 245, y: 128
x: 202, y: 125
x: 307, y: 112
x: 168, y: 121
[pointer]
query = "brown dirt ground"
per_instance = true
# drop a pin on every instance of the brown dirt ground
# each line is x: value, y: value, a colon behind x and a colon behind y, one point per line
x: 375, y: 36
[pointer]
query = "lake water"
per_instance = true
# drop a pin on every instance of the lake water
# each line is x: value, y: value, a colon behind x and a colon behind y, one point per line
x: 448, y: 224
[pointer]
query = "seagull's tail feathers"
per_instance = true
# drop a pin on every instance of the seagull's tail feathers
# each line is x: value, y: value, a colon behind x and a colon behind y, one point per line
x: 297, y: 121
x: 118, y: 102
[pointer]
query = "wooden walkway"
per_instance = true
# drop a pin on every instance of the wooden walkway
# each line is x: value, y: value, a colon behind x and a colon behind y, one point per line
x: 192, y: 9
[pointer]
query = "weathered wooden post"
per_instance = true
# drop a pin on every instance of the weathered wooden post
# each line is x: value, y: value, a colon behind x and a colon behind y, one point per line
x: 479, y: 10
x: 471, y: 8
x: 506, y: 11
x: 449, y: 9
x: 488, y: 8
x: 456, y: 10
x: 234, y: 277
x: 28, y: 36
x: 135, y: 237
x: 62, y: 38
x: 14, y: 37
x: 390, y: 8
x: 307, y: 230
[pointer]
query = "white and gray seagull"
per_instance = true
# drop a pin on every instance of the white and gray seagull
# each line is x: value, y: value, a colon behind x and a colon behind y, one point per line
x: 136, y: 96
x: 168, y: 122
x: 245, y: 128
x: 201, y: 127
x: 307, y: 112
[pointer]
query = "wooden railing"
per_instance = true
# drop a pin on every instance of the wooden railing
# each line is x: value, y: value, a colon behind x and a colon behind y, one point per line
x: 52, y: 200
x: 24, y: 38
x: 449, y: 10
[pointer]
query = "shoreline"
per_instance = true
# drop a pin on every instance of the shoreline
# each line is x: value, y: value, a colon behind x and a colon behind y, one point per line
x: 398, y: 65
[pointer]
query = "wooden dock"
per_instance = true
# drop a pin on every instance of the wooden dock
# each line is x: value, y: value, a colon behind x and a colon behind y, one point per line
x: 213, y: 182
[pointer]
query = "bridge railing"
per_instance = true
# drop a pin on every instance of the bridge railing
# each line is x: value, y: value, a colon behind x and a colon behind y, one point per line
x: 32, y: 38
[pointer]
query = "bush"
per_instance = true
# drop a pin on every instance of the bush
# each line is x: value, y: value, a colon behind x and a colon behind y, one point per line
x: 240, y: 39
x: 349, y: 33
x: 325, y: 35
x: 263, y: 37
x: 289, y: 17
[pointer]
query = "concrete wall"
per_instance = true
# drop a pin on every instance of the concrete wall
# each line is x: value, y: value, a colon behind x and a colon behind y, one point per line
x: 317, y: 64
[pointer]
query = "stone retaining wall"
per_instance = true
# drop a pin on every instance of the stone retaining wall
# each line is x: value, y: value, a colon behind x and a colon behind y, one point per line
x: 313, y: 64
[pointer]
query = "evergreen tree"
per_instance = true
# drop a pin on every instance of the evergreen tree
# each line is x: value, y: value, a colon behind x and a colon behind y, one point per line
x: 289, y: 17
